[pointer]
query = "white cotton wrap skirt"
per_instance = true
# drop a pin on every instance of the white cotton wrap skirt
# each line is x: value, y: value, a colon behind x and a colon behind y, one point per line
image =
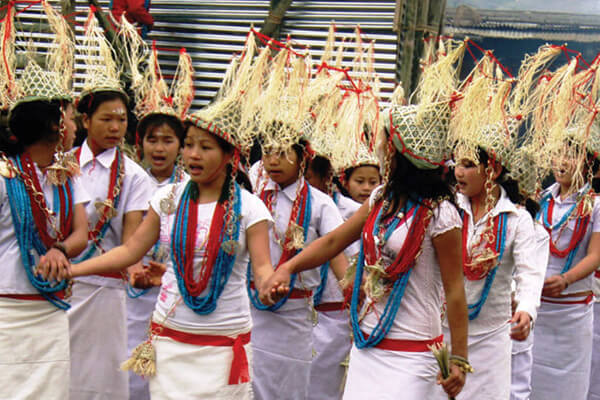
x: 34, y: 350
x: 594, y: 393
x: 521, y: 363
x: 490, y: 356
x: 98, y: 323
x: 332, y: 343
x: 282, y: 349
x: 390, y: 375
x: 191, y: 371
x: 139, y: 313
x: 562, y: 356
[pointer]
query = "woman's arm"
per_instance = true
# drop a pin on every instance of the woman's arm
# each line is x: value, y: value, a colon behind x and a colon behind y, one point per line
x: 257, y: 240
x: 448, y: 250
x: 132, y: 251
x: 54, y: 264
x: 555, y: 284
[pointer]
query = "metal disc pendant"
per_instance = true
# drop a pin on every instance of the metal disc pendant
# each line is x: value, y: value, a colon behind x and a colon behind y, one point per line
x: 6, y: 170
x: 167, y: 205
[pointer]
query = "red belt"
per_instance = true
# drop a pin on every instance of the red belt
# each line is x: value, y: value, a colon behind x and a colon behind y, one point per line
x: 296, y: 293
x: 239, y: 365
x: 589, y: 298
x: 335, y: 306
x: 407, y: 345
x: 60, y: 295
x: 115, y: 275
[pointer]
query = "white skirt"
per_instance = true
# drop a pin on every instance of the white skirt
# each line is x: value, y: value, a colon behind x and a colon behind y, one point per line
x: 384, y: 374
x: 139, y: 312
x: 594, y: 393
x: 332, y: 343
x: 98, y: 325
x: 282, y: 350
x: 489, y: 354
x: 562, y: 351
x: 521, y: 362
x: 188, y: 371
x: 34, y: 350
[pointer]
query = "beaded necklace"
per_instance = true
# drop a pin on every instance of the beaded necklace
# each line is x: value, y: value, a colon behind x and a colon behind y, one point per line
x: 42, y: 215
x: 156, y: 253
x: 498, y: 245
x: 582, y: 220
x: 106, y: 209
x: 374, y: 236
x: 300, y: 216
x: 21, y: 197
x: 218, y: 261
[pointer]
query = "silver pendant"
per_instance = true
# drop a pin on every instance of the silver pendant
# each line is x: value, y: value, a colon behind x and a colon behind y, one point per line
x: 167, y: 206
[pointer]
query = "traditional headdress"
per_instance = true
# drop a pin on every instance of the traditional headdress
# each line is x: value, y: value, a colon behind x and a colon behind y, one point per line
x: 51, y: 82
x: 101, y: 71
x: 420, y: 131
x: 565, y: 125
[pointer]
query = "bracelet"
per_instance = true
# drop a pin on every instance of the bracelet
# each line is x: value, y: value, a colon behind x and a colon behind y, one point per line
x: 462, y: 363
x: 566, y: 280
x: 60, y: 246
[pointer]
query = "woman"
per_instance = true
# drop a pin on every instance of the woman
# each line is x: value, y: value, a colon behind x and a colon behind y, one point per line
x: 212, y: 228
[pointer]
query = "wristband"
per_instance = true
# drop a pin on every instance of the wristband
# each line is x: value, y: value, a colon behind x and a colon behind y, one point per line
x: 462, y: 363
x: 60, y: 246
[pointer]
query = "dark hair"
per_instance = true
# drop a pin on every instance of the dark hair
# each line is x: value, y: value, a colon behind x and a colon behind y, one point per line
x: 593, y: 162
x: 91, y: 101
x: 321, y: 166
x: 25, y: 130
x: 154, y: 121
x: 511, y: 187
x: 416, y: 184
x: 300, y: 149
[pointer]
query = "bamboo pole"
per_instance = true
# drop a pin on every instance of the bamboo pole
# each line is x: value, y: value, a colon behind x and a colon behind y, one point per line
x: 272, y: 24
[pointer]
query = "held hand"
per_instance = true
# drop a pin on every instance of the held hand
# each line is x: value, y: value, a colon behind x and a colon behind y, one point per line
x: 454, y: 383
x: 54, y: 266
x: 520, y: 331
x: 137, y: 277
x: 154, y: 272
x: 276, y: 287
x: 554, y: 285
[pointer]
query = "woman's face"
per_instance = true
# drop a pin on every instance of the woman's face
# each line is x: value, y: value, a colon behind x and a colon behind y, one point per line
x: 470, y: 177
x: 563, y: 169
x: 283, y: 167
x: 106, y: 127
x: 204, y: 158
x: 362, y: 181
x: 161, y: 147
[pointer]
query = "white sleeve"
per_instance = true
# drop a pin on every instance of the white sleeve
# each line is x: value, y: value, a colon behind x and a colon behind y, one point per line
x: 445, y: 218
x: 531, y: 251
x: 330, y: 217
x: 596, y: 215
x: 80, y: 195
x: 254, y: 210
x: 140, y: 189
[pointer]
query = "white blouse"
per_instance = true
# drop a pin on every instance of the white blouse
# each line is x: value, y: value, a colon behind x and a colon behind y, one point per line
x: 233, y: 306
x: 517, y: 263
x: 418, y: 317
x: 13, y: 279
x: 562, y: 239
x: 136, y: 192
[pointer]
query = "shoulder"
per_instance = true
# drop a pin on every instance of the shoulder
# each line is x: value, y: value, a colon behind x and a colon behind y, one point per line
x: 134, y: 168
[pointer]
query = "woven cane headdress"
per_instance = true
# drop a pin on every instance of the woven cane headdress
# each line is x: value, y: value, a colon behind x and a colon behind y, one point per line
x: 101, y: 70
x: 565, y: 125
x: 51, y: 82
x: 346, y: 112
x: 420, y: 131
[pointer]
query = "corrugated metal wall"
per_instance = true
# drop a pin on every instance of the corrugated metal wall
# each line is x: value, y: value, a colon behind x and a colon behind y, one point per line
x: 212, y: 31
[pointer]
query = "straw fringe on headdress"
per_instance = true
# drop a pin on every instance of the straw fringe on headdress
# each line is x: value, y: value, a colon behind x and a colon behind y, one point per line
x: 101, y: 70
x: 494, y: 106
x: 420, y: 131
x: 223, y: 117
